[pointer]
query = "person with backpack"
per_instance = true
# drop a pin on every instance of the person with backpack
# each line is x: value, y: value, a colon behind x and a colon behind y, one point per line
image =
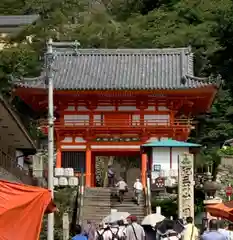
x: 78, y: 235
x: 104, y: 233
x: 122, y: 230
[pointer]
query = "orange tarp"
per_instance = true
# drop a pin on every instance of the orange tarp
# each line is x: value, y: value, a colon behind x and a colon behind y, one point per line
x: 222, y: 210
x: 21, y: 210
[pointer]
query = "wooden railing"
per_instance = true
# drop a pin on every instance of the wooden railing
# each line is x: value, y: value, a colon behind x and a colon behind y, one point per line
x: 12, y: 167
x: 112, y: 123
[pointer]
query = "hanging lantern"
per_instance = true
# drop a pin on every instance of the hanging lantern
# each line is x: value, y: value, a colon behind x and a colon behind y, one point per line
x: 73, y: 181
x: 55, y: 182
x: 63, y: 181
x: 59, y: 172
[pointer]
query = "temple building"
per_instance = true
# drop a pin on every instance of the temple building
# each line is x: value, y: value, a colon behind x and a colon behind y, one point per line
x: 109, y: 102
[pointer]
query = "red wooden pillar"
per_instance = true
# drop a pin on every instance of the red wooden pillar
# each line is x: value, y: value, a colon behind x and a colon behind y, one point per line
x: 88, y: 167
x: 143, y: 168
x: 93, y: 182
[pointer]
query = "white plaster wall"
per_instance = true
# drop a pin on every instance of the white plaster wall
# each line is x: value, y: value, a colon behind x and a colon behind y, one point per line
x: 76, y: 119
x: 161, y: 156
x: 105, y: 108
x: 127, y: 108
x: 156, y: 119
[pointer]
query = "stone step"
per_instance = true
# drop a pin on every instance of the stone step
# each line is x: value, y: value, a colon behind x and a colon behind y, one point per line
x: 96, y: 209
x: 98, y: 205
x: 127, y: 201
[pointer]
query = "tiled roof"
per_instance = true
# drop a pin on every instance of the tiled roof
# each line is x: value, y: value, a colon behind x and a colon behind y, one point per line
x: 17, y: 20
x: 121, y: 69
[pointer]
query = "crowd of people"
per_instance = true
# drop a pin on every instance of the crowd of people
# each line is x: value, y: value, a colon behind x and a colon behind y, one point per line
x: 120, y: 230
x: 130, y: 230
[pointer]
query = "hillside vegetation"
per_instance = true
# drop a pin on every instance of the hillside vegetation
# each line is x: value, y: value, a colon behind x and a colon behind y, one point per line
x: 207, y: 26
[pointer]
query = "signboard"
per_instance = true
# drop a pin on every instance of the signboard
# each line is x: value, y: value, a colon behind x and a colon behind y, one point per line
x: 186, y: 186
x: 158, y: 184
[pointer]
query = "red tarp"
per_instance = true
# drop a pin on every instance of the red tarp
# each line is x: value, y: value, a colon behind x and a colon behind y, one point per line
x: 222, y: 210
x: 21, y: 210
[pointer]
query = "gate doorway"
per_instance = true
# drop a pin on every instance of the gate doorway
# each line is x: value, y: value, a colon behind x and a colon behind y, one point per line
x: 126, y: 166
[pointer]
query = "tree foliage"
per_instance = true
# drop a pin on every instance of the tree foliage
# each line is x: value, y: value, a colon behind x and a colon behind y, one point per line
x: 206, y: 26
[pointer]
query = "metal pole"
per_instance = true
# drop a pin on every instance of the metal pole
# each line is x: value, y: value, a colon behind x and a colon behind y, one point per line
x: 81, y: 198
x: 49, y: 60
x: 229, y: 197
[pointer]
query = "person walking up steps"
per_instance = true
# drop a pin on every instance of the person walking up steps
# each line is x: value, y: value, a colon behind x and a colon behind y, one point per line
x: 122, y: 188
x: 138, y: 188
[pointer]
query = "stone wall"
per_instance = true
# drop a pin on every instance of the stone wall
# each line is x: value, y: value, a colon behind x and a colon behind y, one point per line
x: 224, y: 177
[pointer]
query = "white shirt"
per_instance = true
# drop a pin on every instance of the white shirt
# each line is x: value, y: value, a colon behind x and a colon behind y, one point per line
x: 121, y: 185
x: 138, y: 186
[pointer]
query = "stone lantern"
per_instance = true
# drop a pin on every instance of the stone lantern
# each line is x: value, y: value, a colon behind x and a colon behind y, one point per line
x: 210, y: 187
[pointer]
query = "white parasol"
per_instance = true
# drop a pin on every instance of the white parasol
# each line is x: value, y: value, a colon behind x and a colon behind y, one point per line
x: 153, y: 219
x: 115, y: 216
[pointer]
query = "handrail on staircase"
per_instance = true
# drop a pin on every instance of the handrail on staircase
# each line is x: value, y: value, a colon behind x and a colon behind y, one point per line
x: 148, y: 196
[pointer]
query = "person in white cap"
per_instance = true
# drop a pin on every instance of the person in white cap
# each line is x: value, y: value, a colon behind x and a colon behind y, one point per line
x: 138, y: 188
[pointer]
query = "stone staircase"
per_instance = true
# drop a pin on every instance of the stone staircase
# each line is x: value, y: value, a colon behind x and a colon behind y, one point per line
x: 129, y: 205
x: 98, y: 203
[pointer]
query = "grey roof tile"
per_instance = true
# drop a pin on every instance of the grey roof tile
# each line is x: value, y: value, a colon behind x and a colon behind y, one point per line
x: 121, y: 69
x: 17, y: 20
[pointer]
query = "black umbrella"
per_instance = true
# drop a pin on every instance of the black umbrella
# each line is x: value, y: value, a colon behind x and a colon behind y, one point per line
x: 179, y: 226
x: 168, y: 224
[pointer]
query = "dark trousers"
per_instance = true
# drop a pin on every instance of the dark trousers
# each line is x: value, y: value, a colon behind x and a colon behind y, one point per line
x: 121, y: 195
x: 111, y: 181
